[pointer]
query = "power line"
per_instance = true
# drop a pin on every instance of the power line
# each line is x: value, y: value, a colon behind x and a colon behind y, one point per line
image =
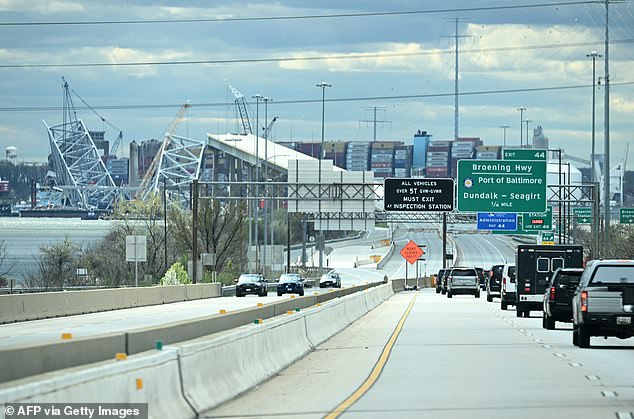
x: 321, y: 57
x: 305, y: 101
x: 300, y: 17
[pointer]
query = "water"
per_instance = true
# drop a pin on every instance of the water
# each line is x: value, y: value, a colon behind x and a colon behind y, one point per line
x: 23, y: 238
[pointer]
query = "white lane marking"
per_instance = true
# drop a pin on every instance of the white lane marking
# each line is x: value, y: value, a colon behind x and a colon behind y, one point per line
x: 557, y: 354
x: 609, y: 394
x: 547, y: 346
x: 592, y: 378
x: 574, y: 364
x: 624, y: 415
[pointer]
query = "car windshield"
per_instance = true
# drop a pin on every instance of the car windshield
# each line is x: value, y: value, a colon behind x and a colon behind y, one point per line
x: 613, y: 275
x: 248, y: 278
x: 289, y: 277
x: 463, y: 272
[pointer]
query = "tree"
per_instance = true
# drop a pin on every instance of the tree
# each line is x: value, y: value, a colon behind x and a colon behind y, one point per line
x: 220, y: 230
x: 5, y: 266
x: 57, y: 266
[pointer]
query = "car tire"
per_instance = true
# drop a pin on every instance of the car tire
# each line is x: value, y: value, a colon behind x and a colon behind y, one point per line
x: 527, y: 313
x: 449, y: 295
x: 575, y: 337
x: 583, y: 337
x: 477, y: 294
x: 437, y: 290
x: 301, y: 294
x: 279, y: 294
x: 503, y: 305
x: 518, y: 311
x: 489, y: 298
x: 549, y: 322
x: 239, y: 295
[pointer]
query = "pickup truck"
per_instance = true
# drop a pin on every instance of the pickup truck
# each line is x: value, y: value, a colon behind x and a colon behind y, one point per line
x: 603, y: 303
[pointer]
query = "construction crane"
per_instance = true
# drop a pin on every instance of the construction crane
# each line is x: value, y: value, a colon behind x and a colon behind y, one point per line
x: 117, y: 141
x: 150, y: 179
x: 242, y: 109
x: 268, y: 129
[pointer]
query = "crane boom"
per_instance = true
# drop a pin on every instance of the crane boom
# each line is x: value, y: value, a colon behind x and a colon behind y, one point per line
x: 147, y: 184
x: 242, y: 109
x: 268, y: 129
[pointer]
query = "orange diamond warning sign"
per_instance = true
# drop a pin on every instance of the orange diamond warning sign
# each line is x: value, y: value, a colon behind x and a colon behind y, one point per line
x: 411, y: 252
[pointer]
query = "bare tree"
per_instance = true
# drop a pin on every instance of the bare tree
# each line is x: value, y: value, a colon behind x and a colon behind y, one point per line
x: 6, y: 266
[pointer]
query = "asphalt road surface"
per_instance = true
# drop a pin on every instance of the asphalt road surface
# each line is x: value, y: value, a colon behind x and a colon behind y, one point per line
x: 454, y: 358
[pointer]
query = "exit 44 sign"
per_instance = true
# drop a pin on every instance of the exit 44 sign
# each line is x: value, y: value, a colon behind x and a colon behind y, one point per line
x: 501, y: 186
x: 538, y: 221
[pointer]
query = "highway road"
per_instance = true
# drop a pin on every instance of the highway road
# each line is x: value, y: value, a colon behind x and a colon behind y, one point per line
x: 453, y: 358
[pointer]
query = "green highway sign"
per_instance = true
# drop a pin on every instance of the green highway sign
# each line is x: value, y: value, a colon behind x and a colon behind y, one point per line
x: 501, y: 186
x: 626, y: 215
x: 548, y: 238
x: 538, y: 220
x: 519, y: 230
x: 523, y: 154
x: 583, y: 215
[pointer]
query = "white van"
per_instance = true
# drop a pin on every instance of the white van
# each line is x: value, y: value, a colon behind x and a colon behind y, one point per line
x: 508, y: 286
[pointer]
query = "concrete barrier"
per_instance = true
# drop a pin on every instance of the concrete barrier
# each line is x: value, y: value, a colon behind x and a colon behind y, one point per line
x: 110, y: 382
x: 217, y: 370
x: 24, y: 361
x: 199, y: 374
x: 23, y: 307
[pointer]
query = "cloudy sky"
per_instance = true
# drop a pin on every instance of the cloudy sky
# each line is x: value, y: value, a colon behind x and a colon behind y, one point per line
x: 396, y: 56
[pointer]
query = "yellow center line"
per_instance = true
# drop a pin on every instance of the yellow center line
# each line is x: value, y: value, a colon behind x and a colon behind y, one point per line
x: 376, y: 371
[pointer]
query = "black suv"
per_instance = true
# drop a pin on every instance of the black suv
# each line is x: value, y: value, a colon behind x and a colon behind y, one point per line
x: 494, y: 282
x: 558, y: 297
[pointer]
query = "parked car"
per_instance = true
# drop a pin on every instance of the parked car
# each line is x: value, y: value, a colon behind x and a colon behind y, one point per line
x: 494, y: 282
x: 330, y: 279
x: 463, y: 280
x: 603, y: 303
x: 251, y: 284
x: 439, y: 277
x: 290, y: 284
x: 558, y: 297
x: 508, y: 286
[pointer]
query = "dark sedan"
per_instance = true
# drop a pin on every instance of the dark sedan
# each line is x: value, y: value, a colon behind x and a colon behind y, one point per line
x: 558, y: 297
x: 290, y: 285
x: 251, y: 284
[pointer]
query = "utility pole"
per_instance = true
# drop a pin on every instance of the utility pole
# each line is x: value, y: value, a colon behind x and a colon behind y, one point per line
x: 257, y: 98
x: 527, y: 122
x: 266, y: 172
x: 606, y: 122
x: 594, y: 57
x: 323, y: 86
x: 504, y: 127
x: 374, y: 121
x: 456, y: 37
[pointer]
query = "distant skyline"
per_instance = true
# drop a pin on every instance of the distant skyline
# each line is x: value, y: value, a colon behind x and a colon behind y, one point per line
x: 396, y: 56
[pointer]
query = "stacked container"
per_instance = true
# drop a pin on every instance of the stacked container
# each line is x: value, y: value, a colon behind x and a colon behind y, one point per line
x: 438, y: 159
x: 335, y: 151
x: 463, y: 148
x: 485, y: 152
x: 357, y: 156
x: 310, y: 149
x: 382, y: 159
x: 403, y: 160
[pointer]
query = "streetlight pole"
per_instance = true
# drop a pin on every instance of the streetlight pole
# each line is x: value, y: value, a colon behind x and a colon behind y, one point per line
x: 521, y: 109
x: 527, y: 122
x: 594, y: 55
x: 257, y: 98
x: 504, y: 127
x: 323, y: 86
x: 266, y: 101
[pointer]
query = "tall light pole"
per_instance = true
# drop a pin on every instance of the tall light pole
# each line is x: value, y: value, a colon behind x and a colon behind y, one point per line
x: 266, y: 101
x: 257, y: 98
x: 521, y: 109
x: 594, y: 55
x: 504, y: 127
x: 323, y: 86
x: 527, y: 122
x: 606, y: 135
